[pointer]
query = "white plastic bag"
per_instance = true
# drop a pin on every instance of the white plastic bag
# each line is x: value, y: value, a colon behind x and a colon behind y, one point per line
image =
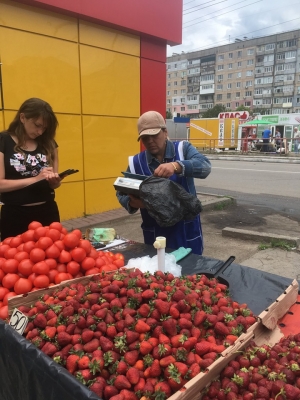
x: 148, y: 264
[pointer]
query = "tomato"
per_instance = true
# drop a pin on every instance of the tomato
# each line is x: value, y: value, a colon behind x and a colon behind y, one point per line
x: 60, y: 244
x: 71, y: 240
x: 22, y: 286
x: 7, y: 240
x: 4, y: 312
x: 52, y: 251
x: 99, y: 262
x: 73, y: 268
x: 3, y: 292
x: 64, y: 257
x: 119, y: 255
x: 8, y: 296
x: 28, y: 235
x: 92, y: 271
x: 78, y: 233
x: 56, y: 225
x: 93, y: 253
x: 85, y: 244
x: 9, y: 280
x: 51, y: 263
x: 78, y: 254
x: 25, y: 267
x: 34, y: 224
x: 64, y: 230
x: 108, y: 267
x: 88, y: 263
x: 3, y: 248
x: 32, y: 276
x: 28, y: 246
x: 119, y: 263
x: 52, y: 274
x: 44, y: 242
x: 54, y: 234
x: 2, y: 261
x: 41, y: 281
x: 37, y: 255
x: 40, y: 232
x: 2, y: 274
x: 21, y: 255
x: 41, y: 268
x: 10, y: 253
x: 61, y: 267
x: 20, y: 248
x: 60, y: 277
x: 10, y: 266
x: 16, y: 241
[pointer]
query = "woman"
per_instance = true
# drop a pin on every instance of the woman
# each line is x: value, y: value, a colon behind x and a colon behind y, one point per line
x: 29, y: 169
x: 178, y: 161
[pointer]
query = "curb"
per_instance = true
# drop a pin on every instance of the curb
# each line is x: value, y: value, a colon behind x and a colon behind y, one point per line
x: 214, y: 202
x: 279, y: 159
x: 259, y: 236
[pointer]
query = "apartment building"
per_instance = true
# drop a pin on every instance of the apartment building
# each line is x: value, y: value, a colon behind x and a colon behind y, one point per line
x: 261, y: 73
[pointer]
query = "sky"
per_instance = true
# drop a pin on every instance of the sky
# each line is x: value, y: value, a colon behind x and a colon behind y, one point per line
x: 211, y: 23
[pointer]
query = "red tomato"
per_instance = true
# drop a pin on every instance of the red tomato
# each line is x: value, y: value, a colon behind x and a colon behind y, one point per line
x: 37, y: 255
x: 78, y: 254
x: 99, y: 262
x: 28, y: 246
x: 9, y: 280
x: 51, y: 262
x: 8, y: 296
x: 54, y: 234
x: 41, y: 268
x: 56, y: 225
x: 44, y: 242
x: 61, y: 267
x: 22, y: 286
x: 92, y: 271
x: 4, y: 312
x: 71, y: 240
x: 41, y: 281
x: 20, y: 248
x: 85, y: 244
x: 16, y: 241
x: 2, y: 274
x: 88, y: 263
x: 10, y: 253
x: 2, y: 261
x: 25, y: 267
x: 52, y: 251
x: 10, y: 266
x: 78, y: 233
x: 61, y: 277
x: 108, y: 267
x: 119, y: 255
x: 52, y: 274
x: 7, y: 240
x: 40, y: 232
x: 3, y: 248
x: 34, y: 224
x: 32, y: 276
x: 64, y: 231
x: 21, y: 255
x: 93, y: 253
x: 60, y: 244
x: 73, y: 268
x: 3, y: 292
x: 28, y: 235
x: 119, y: 263
x: 64, y: 257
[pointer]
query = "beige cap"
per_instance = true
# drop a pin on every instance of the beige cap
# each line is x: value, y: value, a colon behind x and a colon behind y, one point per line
x: 150, y: 123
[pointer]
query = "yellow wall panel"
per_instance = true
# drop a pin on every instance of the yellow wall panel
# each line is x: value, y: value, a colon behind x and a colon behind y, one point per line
x: 107, y: 144
x: 39, y: 66
x: 107, y: 38
x: 1, y: 121
x: 70, y: 200
x: 110, y: 82
x: 69, y: 140
x: 37, y: 20
x: 100, y: 196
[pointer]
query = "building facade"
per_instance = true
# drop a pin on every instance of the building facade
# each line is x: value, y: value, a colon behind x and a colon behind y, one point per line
x: 261, y: 73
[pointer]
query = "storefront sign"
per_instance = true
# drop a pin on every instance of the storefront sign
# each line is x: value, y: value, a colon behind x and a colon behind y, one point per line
x: 244, y: 115
x: 221, y: 132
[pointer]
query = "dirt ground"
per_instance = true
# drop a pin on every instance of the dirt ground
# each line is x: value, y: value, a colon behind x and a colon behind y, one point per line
x: 213, y: 221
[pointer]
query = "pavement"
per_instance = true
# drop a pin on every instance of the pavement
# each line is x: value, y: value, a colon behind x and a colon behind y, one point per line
x: 222, y: 241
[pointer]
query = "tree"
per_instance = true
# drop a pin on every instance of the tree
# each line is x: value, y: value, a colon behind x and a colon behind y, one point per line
x: 214, y: 112
x: 169, y: 115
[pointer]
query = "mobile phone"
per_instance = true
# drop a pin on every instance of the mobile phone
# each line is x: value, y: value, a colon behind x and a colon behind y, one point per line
x: 68, y: 172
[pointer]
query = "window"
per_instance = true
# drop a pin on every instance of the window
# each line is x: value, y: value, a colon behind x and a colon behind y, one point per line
x: 290, y: 54
x: 230, y: 66
x: 174, y: 100
x: 238, y: 84
x: 220, y: 67
x: 183, y: 83
x: 239, y: 64
x: 182, y: 100
x: 270, y: 46
x: 220, y: 77
x: 169, y: 76
x: 249, y: 73
x: 182, y: 91
x: 250, y: 62
x: 229, y: 76
x: 269, y: 69
x: 238, y: 75
x: 250, y: 52
x: 230, y: 55
x: 208, y: 77
x: 175, y: 91
x: 228, y: 105
x: 228, y: 85
x: 289, y: 66
x: 247, y: 103
x: 228, y: 95
x: 169, y: 84
x: 182, y: 109
x: 221, y: 57
x: 168, y: 93
x: 219, y: 87
x: 258, y: 91
x: 237, y: 95
x: 219, y: 97
x: 237, y: 104
x: 239, y: 53
x: 248, y: 83
x: 269, y: 58
x: 205, y: 87
x: 175, y: 83
x: 248, y: 93
x: 280, y: 56
x: 279, y: 67
x: 267, y: 101
x: 168, y: 101
x: 290, y: 43
x: 175, y: 65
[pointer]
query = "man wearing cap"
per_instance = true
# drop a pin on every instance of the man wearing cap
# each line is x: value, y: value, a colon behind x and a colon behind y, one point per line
x: 179, y: 161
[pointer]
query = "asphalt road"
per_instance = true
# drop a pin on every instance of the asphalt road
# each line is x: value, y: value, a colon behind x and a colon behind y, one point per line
x: 275, y: 186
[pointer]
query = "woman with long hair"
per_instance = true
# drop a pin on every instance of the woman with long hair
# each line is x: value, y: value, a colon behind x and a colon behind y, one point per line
x: 29, y: 168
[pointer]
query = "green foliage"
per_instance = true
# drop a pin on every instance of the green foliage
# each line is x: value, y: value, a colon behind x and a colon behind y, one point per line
x: 214, y: 112
x: 280, y: 244
x: 169, y: 115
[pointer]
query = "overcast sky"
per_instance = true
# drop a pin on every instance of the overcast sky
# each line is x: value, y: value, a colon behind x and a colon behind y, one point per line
x: 211, y: 23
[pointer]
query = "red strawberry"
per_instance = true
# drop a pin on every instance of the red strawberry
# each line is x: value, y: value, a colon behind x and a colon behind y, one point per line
x: 122, y: 367
x: 144, y: 310
x: 71, y: 363
x: 145, y: 348
x: 105, y: 344
x: 121, y: 382
x: 48, y: 333
x: 49, y: 349
x: 131, y: 357
x: 83, y: 362
x: 221, y: 329
x: 155, y: 369
x: 111, y: 331
x: 164, y: 388
x: 142, y: 327
x: 164, y: 362
x: 162, y: 306
x: 128, y: 395
x: 131, y: 336
x: 91, y: 346
x: 63, y: 338
x: 170, y: 326
x: 110, y: 391
x: 148, y: 294
x: 40, y: 321
x: 202, y: 348
x: 87, y: 335
x: 133, y: 375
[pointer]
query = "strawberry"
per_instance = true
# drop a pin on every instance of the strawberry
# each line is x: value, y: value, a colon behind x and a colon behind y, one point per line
x: 98, y: 388
x: 148, y: 294
x: 262, y: 392
x: 177, y: 296
x: 49, y: 349
x: 83, y: 362
x: 131, y: 336
x: 128, y: 395
x: 40, y: 321
x: 162, y: 306
x: 122, y: 367
x: 144, y: 310
x: 133, y: 375
x: 71, y: 363
x: 202, y: 348
x: 91, y: 346
x: 178, y: 340
x: 163, y: 339
x: 87, y: 335
x: 111, y: 331
x: 194, y: 369
x: 63, y: 338
x: 155, y: 369
x: 121, y: 382
x: 145, y: 348
x: 165, y: 361
x: 141, y: 327
x: 131, y: 357
x: 162, y: 387
x: 139, y: 387
x: 184, y: 323
x: 49, y: 333
x: 170, y: 326
x: 221, y: 329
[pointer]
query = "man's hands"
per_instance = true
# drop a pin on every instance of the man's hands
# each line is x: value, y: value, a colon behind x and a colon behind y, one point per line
x: 168, y: 169
x: 135, y: 202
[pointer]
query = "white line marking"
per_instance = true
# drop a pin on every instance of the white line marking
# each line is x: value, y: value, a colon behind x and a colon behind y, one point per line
x: 260, y: 170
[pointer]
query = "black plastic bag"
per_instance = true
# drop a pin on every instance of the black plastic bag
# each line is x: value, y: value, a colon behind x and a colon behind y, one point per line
x: 168, y: 202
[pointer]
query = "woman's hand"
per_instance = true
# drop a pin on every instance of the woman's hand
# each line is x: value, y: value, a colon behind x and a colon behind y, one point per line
x: 136, y: 202
x: 51, y: 177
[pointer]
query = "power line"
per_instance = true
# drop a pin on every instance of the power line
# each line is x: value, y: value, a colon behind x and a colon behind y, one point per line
x: 199, y: 7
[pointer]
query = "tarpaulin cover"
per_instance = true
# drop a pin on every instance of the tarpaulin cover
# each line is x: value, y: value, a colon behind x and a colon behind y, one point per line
x: 28, y: 374
x: 168, y: 202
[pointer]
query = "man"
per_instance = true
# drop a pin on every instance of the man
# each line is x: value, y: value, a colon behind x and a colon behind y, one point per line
x: 266, y: 140
x: 178, y: 161
x: 278, y: 140
x: 296, y: 140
